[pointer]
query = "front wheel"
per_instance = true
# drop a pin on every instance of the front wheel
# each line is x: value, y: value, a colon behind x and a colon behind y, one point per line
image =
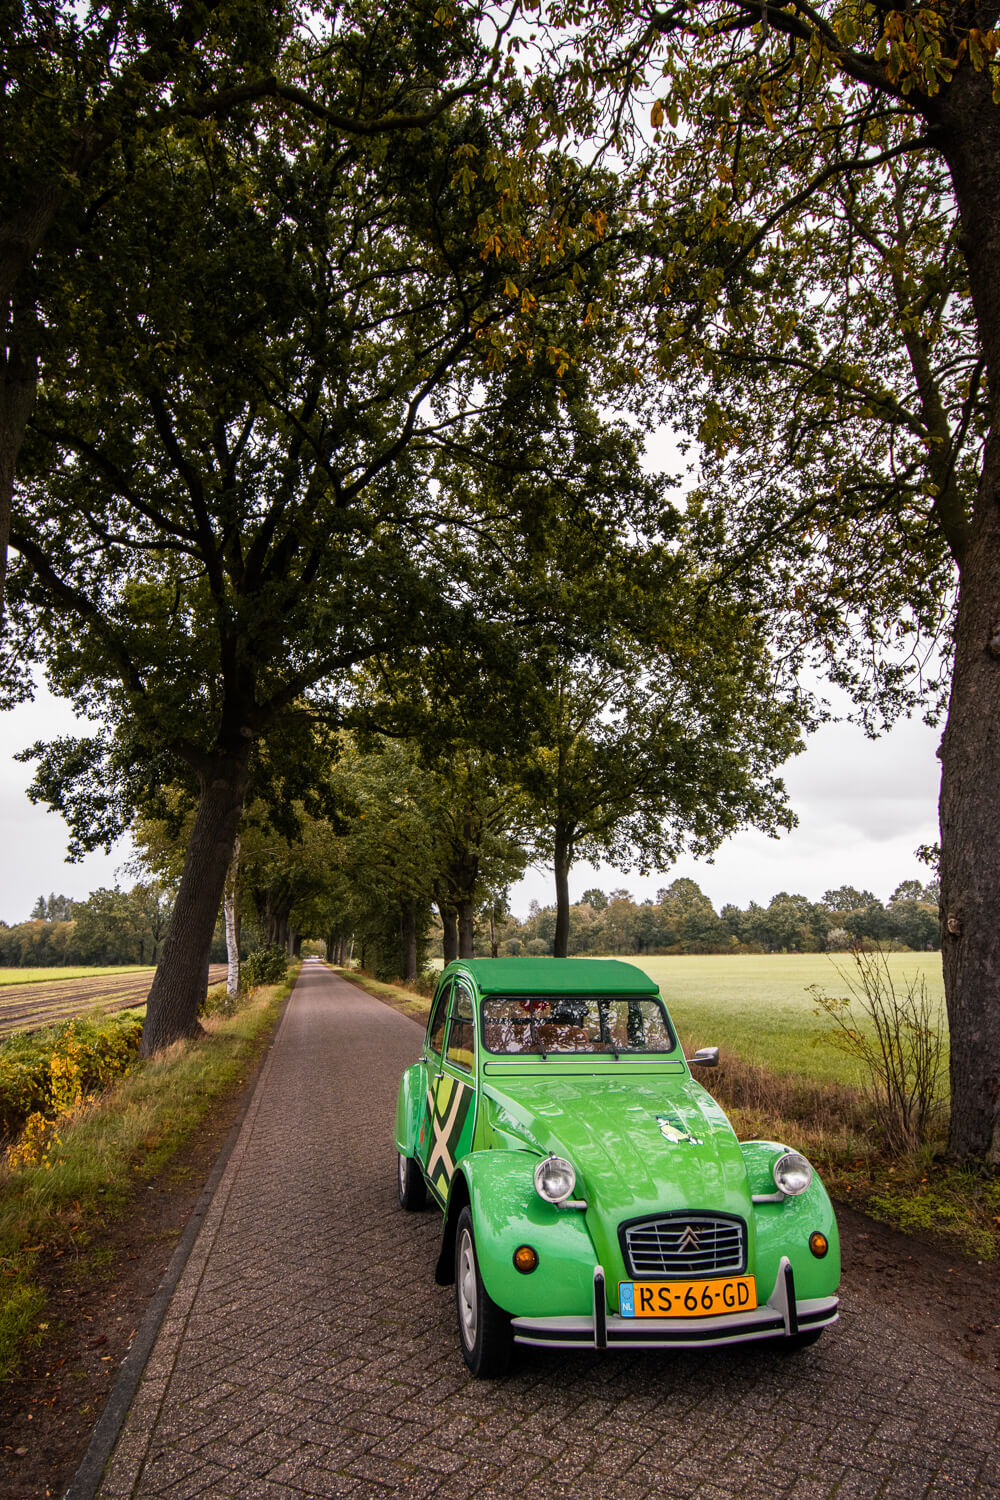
x: 802, y: 1340
x: 483, y: 1328
x: 410, y: 1181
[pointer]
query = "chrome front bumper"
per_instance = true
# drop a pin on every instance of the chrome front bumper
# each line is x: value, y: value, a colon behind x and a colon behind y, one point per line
x: 781, y: 1316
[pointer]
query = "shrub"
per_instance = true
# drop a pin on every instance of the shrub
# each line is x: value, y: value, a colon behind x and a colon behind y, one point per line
x: 267, y: 965
x: 216, y: 1002
x: 896, y: 1041
x: 45, y: 1073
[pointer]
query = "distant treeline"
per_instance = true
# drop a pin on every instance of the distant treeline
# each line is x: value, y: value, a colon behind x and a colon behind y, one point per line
x: 128, y: 927
x: 682, y: 919
x: 110, y: 927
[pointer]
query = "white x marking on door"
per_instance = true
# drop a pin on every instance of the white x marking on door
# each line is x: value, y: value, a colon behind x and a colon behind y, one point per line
x: 442, y: 1130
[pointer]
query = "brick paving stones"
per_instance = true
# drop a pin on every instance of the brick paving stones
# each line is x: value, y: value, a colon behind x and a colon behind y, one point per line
x: 307, y: 1351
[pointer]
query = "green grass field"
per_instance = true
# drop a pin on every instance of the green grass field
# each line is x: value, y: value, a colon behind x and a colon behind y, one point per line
x: 40, y: 976
x: 760, y: 1007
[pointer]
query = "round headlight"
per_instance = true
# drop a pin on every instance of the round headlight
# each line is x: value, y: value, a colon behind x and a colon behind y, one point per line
x: 792, y: 1173
x: 555, y: 1179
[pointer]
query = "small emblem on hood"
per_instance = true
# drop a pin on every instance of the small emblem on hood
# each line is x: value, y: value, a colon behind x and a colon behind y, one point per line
x: 689, y: 1240
x: 673, y: 1129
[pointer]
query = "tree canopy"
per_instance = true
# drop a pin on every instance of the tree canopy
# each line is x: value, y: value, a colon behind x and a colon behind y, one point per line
x: 818, y: 188
x: 233, y: 497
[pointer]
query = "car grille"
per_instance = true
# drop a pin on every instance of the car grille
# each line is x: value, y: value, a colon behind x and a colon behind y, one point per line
x: 685, y: 1245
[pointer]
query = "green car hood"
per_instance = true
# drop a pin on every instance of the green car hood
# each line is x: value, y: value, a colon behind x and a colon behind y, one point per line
x: 641, y: 1143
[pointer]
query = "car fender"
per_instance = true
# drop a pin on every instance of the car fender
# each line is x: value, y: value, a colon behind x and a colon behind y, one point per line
x: 783, y: 1228
x: 498, y: 1188
x: 409, y: 1105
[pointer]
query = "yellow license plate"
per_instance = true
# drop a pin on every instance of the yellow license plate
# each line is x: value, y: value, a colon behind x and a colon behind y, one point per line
x: 687, y: 1299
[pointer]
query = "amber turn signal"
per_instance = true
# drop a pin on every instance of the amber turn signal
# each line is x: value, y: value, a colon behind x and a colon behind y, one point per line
x: 525, y: 1259
x: 818, y: 1244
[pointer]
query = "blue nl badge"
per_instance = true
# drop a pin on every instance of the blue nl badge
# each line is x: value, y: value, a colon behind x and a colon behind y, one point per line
x: 626, y: 1299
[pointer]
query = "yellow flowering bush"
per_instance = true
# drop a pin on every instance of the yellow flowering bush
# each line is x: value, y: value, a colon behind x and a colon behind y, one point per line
x: 35, y: 1144
x: 45, y: 1075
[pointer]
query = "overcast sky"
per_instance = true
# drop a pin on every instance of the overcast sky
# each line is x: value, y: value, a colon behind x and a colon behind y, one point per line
x: 863, y: 808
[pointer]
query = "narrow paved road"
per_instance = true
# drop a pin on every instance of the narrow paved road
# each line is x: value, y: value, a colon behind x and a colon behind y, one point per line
x: 307, y: 1351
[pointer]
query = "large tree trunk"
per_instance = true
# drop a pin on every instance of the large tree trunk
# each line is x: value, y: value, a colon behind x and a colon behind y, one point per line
x: 970, y: 839
x: 563, y: 860
x: 449, y: 936
x: 970, y: 749
x: 181, y: 978
x: 466, y: 928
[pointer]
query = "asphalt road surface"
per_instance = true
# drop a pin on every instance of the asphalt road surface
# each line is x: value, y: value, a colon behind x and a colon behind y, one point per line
x: 308, y: 1352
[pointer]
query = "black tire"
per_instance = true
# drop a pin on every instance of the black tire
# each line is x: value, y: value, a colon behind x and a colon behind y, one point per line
x: 484, y: 1330
x: 411, y: 1185
x: 802, y: 1340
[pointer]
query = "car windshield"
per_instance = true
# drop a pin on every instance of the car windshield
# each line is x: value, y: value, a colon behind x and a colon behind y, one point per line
x: 576, y: 1024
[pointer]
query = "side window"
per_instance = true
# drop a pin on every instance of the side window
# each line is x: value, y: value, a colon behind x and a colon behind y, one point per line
x: 435, y: 1031
x: 462, y: 1036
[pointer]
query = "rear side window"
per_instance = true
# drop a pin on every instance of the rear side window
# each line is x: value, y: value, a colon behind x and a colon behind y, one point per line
x: 439, y: 1015
x: 462, y: 1036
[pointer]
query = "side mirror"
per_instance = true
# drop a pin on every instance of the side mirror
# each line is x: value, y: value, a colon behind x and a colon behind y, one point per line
x: 705, y: 1057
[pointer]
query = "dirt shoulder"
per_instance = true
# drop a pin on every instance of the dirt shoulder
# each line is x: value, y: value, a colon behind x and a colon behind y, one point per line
x: 96, y: 1303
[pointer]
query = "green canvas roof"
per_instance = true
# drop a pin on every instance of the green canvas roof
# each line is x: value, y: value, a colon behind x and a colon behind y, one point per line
x: 557, y: 976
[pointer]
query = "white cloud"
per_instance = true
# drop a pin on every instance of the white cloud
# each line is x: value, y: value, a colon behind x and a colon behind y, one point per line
x: 863, y: 808
x: 34, y: 838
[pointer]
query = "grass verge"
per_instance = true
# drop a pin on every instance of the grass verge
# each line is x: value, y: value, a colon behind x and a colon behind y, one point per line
x: 108, y: 1149
x: 407, y: 1002
x: 918, y: 1192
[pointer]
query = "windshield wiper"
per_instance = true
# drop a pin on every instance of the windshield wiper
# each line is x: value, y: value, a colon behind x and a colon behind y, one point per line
x: 534, y: 1038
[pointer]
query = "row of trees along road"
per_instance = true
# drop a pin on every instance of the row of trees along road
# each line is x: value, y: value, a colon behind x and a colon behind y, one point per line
x: 279, y: 284
x: 275, y: 445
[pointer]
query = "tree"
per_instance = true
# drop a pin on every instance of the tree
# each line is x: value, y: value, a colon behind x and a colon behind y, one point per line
x: 83, y: 88
x: 80, y: 84
x: 231, y: 505
x: 912, y: 915
x: 689, y: 918
x: 55, y: 909
x: 636, y: 716
x: 111, y: 927
x: 659, y: 752
x: 445, y: 829
x: 828, y: 234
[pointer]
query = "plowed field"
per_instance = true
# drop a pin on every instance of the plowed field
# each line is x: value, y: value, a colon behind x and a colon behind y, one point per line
x: 26, y: 1007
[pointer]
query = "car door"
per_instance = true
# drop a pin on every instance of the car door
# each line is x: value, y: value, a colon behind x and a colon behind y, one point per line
x: 451, y: 1100
x: 437, y: 1028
